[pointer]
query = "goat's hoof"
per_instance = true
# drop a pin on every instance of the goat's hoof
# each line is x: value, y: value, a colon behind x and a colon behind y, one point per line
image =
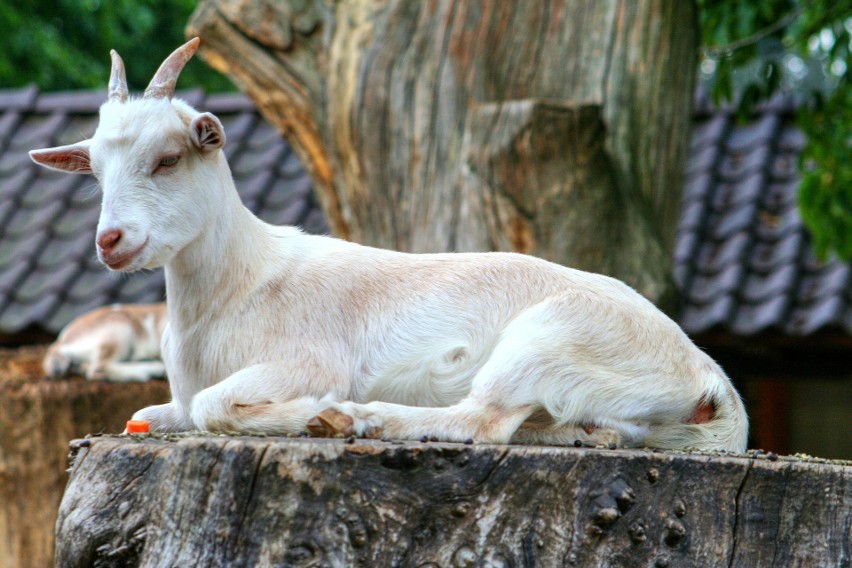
x: 329, y: 423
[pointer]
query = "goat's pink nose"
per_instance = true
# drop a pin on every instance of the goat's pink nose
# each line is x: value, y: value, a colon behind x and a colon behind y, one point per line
x: 109, y: 239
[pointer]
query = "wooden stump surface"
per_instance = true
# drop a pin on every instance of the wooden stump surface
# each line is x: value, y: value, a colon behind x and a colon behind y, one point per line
x: 245, y: 501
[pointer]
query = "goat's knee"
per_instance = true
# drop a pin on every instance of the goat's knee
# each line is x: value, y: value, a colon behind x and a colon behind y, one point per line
x: 218, y: 410
x: 212, y: 412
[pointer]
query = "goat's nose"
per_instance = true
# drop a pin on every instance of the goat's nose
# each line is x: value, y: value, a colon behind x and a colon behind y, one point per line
x: 109, y: 239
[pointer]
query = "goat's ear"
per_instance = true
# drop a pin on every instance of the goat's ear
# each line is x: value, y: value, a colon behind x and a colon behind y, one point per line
x: 73, y: 158
x: 207, y: 132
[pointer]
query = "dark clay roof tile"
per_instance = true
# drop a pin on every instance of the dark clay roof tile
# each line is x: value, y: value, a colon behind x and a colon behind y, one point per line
x: 716, y: 255
x: 732, y: 194
x: 709, y: 132
x: 759, y: 286
x: 753, y: 318
x: 707, y: 287
x: 41, y: 131
x: 702, y: 160
x: 740, y: 163
x: 766, y: 255
x: 810, y: 317
x: 699, y: 317
x: 726, y: 223
x: 832, y: 280
x: 757, y: 134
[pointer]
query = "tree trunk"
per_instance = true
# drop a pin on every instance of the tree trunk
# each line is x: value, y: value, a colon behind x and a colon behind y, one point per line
x: 553, y: 128
x: 37, y: 418
x: 222, y: 501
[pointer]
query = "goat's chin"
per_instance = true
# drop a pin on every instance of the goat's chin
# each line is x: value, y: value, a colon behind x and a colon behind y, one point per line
x: 127, y: 261
x: 125, y: 267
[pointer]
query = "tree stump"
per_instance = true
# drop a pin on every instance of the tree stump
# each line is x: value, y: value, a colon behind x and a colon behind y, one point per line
x: 37, y: 418
x: 243, y: 501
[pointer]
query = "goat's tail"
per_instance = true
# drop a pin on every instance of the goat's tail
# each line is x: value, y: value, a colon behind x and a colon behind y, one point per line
x: 718, y: 422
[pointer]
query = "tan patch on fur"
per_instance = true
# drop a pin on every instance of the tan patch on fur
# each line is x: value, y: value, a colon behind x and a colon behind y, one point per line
x: 245, y: 410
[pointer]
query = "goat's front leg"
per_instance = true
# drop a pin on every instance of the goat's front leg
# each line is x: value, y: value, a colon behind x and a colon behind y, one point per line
x: 170, y: 417
x: 266, y: 398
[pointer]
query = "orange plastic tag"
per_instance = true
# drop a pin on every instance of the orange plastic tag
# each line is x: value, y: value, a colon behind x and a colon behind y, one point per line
x: 137, y: 426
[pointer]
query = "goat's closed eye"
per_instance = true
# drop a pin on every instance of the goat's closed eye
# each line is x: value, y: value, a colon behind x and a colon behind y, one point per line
x: 166, y: 162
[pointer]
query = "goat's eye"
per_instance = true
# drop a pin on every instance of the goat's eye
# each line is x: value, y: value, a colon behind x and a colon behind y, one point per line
x: 166, y: 162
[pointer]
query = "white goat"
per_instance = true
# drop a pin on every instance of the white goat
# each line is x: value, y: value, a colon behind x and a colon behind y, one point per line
x: 276, y: 331
x: 118, y: 343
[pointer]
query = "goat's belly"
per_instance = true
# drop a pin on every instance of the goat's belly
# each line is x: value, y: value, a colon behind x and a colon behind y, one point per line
x: 430, y: 380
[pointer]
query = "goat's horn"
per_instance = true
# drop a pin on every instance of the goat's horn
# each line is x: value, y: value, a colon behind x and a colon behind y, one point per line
x: 162, y: 86
x: 117, y: 79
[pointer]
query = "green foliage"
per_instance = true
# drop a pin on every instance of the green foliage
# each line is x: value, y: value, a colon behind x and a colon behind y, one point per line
x: 755, y: 48
x: 825, y: 192
x: 64, y: 44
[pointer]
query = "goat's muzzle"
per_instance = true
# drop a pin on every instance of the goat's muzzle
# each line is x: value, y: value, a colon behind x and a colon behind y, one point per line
x: 109, y: 249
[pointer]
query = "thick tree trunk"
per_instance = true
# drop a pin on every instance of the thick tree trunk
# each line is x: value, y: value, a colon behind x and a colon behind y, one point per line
x: 37, y: 418
x: 553, y: 128
x: 221, y: 501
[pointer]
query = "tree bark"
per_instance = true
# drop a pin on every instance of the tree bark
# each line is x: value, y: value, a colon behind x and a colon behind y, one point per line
x: 37, y: 418
x: 223, y: 501
x: 553, y: 128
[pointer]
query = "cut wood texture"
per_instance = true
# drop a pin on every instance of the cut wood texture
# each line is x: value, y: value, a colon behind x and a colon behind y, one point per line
x: 230, y: 502
x: 553, y: 128
x: 37, y: 418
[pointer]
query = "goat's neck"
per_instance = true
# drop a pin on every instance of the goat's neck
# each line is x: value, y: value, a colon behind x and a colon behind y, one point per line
x: 222, y: 265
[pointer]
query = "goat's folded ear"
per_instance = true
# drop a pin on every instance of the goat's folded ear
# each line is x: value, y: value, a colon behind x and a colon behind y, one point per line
x: 207, y: 132
x: 73, y: 158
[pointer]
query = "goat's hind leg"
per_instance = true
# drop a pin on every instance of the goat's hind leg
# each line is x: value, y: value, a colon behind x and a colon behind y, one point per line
x: 470, y: 419
x: 566, y: 435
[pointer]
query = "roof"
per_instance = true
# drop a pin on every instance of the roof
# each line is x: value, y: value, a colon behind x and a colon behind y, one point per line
x: 742, y: 259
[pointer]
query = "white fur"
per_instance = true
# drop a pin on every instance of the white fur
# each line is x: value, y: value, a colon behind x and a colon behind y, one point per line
x: 269, y: 327
x: 117, y: 343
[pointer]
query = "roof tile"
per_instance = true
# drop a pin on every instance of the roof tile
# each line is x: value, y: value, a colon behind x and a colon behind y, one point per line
x: 727, y: 223
x: 758, y: 287
x: 709, y: 132
x: 830, y: 281
x: 716, y: 255
x: 707, y: 287
x: 753, y: 318
x: 766, y: 255
x: 757, y: 134
x: 739, y: 163
x: 807, y: 318
x: 42, y: 283
x: 699, y: 317
x: 730, y: 195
